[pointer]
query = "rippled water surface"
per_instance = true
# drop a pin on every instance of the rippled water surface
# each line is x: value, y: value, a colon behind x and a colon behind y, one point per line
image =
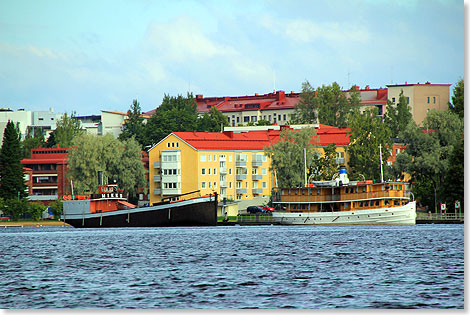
x: 418, y: 266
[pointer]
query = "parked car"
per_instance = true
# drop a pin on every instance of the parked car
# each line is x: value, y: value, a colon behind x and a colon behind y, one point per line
x: 255, y: 209
x: 267, y: 208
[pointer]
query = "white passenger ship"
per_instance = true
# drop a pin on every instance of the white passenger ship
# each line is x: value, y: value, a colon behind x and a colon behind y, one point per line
x: 340, y: 201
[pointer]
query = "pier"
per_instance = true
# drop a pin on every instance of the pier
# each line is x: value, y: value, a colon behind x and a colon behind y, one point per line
x: 439, y: 218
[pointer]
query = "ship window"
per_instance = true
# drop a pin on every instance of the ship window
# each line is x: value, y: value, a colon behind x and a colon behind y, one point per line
x: 377, y: 203
x: 396, y: 187
x: 396, y: 203
x: 364, y: 189
x: 318, y: 191
x: 356, y: 189
x: 387, y: 202
x: 310, y: 192
x: 295, y: 192
x: 303, y: 191
x: 399, y: 187
x: 294, y: 207
x: 366, y: 204
x: 361, y: 204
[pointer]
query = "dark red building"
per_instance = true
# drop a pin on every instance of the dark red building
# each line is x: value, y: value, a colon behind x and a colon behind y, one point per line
x: 49, y: 174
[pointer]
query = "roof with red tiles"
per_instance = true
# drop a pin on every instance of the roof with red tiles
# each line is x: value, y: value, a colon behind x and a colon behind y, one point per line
x: 257, y: 140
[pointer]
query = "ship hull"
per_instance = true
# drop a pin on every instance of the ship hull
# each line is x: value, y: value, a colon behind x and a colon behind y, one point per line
x: 193, y: 212
x: 405, y: 214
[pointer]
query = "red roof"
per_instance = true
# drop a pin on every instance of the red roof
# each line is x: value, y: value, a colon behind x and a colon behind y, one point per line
x: 257, y: 140
x: 273, y: 101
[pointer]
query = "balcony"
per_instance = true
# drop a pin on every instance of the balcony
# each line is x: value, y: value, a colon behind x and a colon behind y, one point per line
x: 157, y: 178
x: 157, y: 164
x: 240, y: 163
x: 256, y: 177
x: 223, y: 171
x: 241, y: 176
x: 223, y: 184
x: 257, y: 191
x: 157, y: 191
x: 256, y: 163
x: 241, y: 191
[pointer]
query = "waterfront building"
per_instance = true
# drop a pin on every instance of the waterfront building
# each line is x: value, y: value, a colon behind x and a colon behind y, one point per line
x: 421, y: 97
x: 49, y: 174
x: 230, y: 163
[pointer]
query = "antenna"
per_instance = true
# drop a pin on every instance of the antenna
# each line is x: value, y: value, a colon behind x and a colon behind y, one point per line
x: 349, y: 84
x: 274, y: 81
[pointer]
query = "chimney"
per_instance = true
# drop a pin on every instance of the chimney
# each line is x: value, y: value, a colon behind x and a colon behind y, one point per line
x: 280, y: 95
x: 199, y: 97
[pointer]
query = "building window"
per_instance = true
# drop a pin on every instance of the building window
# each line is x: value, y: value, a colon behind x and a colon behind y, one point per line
x: 264, y: 171
x: 285, y: 117
x: 254, y: 118
x: 434, y: 99
x: 210, y: 184
x: 269, y: 117
x: 265, y: 185
x: 210, y: 158
x: 246, y: 119
x: 230, y: 158
x: 238, y: 119
x: 393, y: 100
x: 203, y: 171
x: 215, y: 185
x: 215, y: 158
x: 215, y: 171
x: 203, y: 157
x: 230, y: 185
x: 428, y: 99
x: 203, y: 185
x: 209, y: 171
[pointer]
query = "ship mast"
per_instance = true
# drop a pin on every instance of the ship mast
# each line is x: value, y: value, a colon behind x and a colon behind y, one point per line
x: 381, y: 165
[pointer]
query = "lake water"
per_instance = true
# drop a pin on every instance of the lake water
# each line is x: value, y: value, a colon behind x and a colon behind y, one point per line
x: 305, y: 267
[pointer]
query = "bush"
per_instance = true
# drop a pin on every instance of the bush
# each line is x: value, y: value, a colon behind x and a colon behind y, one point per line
x: 36, y: 210
x: 56, y: 207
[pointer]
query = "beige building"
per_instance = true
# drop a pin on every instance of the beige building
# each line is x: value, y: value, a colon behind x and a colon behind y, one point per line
x: 422, y: 97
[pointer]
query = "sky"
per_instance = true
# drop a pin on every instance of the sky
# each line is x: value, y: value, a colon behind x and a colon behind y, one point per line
x: 87, y: 56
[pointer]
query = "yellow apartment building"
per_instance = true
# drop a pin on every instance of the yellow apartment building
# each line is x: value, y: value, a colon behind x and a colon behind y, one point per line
x: 230, y: 164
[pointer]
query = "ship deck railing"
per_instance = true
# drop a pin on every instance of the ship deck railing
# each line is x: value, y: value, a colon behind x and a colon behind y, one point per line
x: 340, y: 197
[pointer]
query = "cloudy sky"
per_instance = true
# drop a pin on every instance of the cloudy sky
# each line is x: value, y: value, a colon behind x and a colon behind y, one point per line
x: 86, y: 56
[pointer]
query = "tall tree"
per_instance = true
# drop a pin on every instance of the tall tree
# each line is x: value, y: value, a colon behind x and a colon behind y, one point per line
x: 12, y: 184
x: 119, y: 161
x: 333, y: 106
x: 134, y: 125
x: 174, y: 114
x: 398, y: 117
x: 68, y: 127
x: 432, y: 156
x: 214, y: 121
x: 458, y: 99
x: 287, y: 156
x: 366, y: 134
x: 305, y: 111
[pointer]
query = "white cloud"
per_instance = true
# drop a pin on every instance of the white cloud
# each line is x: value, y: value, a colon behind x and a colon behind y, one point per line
x: 183, y: 40
x: 307, y: 31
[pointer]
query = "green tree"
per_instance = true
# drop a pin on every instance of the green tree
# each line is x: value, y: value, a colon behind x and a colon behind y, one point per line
x: 323, y: 167
x: 287, y: 156
x: 119, y: 161
x: 36, y: 209
x: 397, y: 118
x: 333, y: 106
x: 263, y: 122
x: 68, y: 127
x: 214, y: 121
x: 34, y: 139
x: 458, y: 99
x: 305, y: 111
x: 366, y: 135
x: 433, y: 157
x: 12, y: 184
x: 174, y: 114
x: 15, y: 208
x: 56, y: 208
x: 134, y: 125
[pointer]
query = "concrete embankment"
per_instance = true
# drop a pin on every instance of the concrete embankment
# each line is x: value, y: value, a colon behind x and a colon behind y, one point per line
x: 32, y: 223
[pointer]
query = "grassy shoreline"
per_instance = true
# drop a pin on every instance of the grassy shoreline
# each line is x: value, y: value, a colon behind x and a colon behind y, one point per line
x: 33, y: 223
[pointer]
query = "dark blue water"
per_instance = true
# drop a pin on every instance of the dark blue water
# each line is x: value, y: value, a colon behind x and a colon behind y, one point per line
x: 311, y: 267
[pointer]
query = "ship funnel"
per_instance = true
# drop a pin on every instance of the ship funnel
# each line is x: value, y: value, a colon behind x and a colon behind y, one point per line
x: 100, y: 178
x: 342, y: 179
